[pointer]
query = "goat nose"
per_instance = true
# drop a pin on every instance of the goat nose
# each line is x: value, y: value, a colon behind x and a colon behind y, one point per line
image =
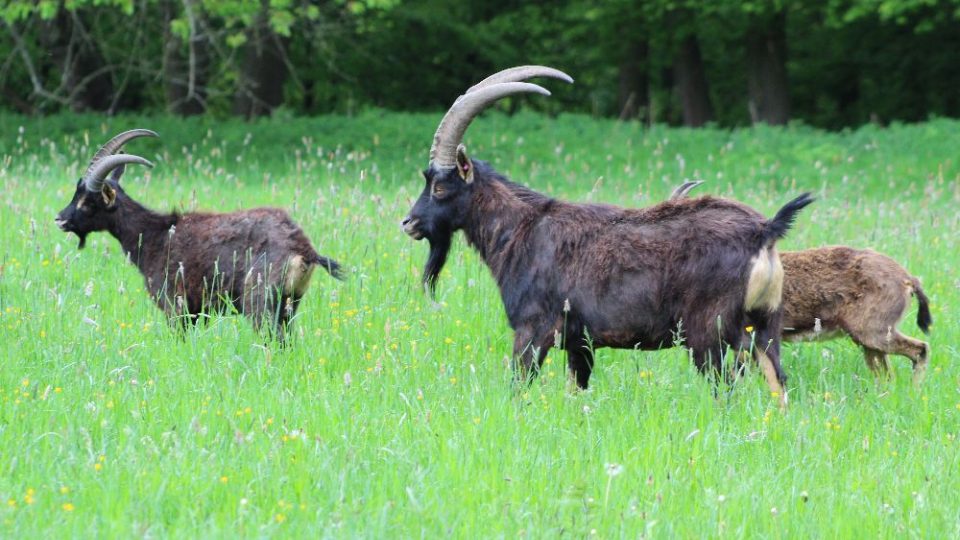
x: 405, y: 221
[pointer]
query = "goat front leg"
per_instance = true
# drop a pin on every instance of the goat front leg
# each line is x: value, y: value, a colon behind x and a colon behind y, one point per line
x: 530, y: 347
x: 580, y: 363
x: 877, y: 362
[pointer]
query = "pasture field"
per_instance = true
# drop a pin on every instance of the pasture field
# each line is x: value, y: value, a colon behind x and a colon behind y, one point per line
x: 393, y: 415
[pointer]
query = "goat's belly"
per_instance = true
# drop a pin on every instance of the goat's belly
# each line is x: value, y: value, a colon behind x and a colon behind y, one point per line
x: 631, y: 339
x: 811, y: 334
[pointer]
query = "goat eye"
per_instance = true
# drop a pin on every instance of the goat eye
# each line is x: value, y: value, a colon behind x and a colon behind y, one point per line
x: 438, y: 191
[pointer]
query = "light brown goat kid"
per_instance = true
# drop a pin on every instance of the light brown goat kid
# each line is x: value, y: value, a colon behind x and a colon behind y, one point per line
x: 833, y: 291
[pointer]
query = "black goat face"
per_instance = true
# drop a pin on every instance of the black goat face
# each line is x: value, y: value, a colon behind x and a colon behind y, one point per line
x: 440, y: 211
x: 88, y: 211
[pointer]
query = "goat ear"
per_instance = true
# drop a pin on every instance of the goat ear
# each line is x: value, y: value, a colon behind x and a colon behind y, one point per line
x: 117, y: 173
x: 109, y: 195
x: 464, y: 165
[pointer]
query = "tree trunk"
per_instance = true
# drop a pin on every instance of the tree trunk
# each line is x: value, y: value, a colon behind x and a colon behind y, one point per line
x: 263, y: 72
x: 80, y: 67
x: 632, y: 87
x: 185, y: 66
x: 769, y: 96
x: 691, y: 81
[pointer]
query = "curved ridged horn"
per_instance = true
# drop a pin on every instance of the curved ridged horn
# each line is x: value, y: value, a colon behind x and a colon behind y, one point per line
x: 521, y: 73
x: 684, y: 188
x: 113, y: 145
x: 95, y: 175
x: 443, y: 152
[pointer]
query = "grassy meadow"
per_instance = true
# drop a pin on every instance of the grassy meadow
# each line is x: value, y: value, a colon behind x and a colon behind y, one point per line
x: 393, y: 415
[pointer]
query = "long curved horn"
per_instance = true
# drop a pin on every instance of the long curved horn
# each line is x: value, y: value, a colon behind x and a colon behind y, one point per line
x: 521, y: 73
x: 443, y: 152
x: 683, y: 189
x: 95, y: 175
x: 113, y: 145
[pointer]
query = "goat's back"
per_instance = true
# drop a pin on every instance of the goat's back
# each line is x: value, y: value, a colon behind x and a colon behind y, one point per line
x: 649, y: 268
x: 228, y: 255
x: 844, y: 288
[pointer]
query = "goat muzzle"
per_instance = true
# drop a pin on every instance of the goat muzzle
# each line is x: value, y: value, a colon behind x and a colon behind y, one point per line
x: 410, y: 226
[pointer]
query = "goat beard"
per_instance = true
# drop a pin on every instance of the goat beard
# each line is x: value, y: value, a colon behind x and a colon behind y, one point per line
x: 439, y: 248
x: 83, y: 240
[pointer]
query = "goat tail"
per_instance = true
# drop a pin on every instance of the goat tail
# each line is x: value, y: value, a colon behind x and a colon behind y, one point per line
x: 331, y: 266
x: 777, y: 227
x: 924, y: 320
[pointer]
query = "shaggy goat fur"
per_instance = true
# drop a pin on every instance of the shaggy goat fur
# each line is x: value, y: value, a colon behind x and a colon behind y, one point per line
x: 584, y: 276
x: 257, y: 262
x: 837, y: 290
x: 833, y: 291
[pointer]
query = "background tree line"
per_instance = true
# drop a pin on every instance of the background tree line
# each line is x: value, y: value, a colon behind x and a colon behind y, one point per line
x: 829, y: 63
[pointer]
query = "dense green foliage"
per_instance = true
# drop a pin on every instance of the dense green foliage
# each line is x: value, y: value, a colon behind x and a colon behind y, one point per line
x: 846, y: 62
x: 394, y: 416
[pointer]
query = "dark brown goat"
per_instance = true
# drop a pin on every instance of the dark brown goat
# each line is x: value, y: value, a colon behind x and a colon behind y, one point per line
x: 258, y: 262
x: 833, y: 291
x: 583, y: 276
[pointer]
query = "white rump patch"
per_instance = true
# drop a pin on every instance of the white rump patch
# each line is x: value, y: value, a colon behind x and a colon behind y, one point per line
x: 297, y: 276
x: 765, y: 285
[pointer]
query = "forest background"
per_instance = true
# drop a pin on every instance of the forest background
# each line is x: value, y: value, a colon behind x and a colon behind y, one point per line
x: 826, y: 63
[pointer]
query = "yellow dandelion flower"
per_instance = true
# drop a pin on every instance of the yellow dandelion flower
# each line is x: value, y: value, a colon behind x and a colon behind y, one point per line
x: 280, y: 518
x: 25, y: 382
x: 58, y: 390
x: 749, y: 328
x: 67, y: 507
x: 64, y: 490
x: 448, y: 341
x: 224, y: 479
x: 453, y: 380
x: 98, y: 467
x: 12, y: 503
x: 248, y: 410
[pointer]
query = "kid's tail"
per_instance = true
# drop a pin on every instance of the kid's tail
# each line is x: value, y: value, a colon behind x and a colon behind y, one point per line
x: 924, y: 320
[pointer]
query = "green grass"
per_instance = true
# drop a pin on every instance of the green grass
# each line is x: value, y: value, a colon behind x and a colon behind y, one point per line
x: 393, y: 415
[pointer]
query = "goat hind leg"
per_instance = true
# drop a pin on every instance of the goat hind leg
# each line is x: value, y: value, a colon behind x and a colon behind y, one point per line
x: 766, y: 351
x: 917, y: 351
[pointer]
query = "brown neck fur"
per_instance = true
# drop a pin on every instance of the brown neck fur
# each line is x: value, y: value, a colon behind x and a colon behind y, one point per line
x: 142, y: 233
x: 500, y: 216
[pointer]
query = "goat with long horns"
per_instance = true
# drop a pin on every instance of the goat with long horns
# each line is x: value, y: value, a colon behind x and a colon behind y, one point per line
x: 584, y: 276
x: 258, y: 262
